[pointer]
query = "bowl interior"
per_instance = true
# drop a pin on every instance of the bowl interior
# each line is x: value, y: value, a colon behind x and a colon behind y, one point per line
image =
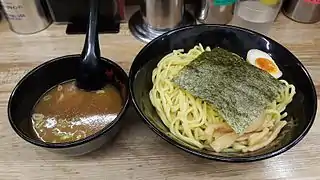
x: 301, y: 111
x: 33, y: 85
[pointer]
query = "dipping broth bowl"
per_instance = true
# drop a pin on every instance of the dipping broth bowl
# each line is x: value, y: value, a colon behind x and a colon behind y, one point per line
x: 301, y: 111
x: 39, y: 80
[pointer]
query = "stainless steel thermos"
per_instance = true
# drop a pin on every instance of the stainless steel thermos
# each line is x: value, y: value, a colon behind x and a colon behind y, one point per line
x: 304, y: 11
x: 26, y: 16
x: 214, y: 11
x: 162, y: 14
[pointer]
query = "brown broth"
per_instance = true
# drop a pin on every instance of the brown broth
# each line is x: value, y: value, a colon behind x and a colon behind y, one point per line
x: 66, y: 113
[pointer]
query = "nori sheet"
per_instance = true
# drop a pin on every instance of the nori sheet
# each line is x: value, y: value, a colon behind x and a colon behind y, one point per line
x: 237, y: 90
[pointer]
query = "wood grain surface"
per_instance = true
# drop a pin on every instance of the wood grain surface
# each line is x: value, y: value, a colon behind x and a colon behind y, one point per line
x: 137, y: 153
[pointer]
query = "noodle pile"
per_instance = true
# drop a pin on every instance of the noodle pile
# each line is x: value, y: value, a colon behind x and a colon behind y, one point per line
x: 196, y: 122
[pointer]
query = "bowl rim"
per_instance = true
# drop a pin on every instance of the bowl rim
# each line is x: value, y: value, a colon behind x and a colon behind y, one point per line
x: 171, y: 141
x: 99, y: 133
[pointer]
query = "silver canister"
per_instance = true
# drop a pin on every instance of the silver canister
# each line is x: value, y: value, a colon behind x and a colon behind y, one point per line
x: 214, y: 11
x: 303, y: 11
x: 26, y: 16
x: 0, y: 13
x: 162, y: 14
x: 156, y: 17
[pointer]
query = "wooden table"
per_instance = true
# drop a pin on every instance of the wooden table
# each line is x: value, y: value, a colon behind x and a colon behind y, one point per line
x: 137, y: 153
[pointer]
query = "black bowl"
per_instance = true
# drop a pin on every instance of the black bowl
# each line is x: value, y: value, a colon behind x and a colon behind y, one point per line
x: 301, y: 111
x: 42, y: 78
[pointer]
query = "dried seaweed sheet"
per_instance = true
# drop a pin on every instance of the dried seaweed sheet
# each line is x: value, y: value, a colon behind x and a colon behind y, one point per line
x: 238, y: 90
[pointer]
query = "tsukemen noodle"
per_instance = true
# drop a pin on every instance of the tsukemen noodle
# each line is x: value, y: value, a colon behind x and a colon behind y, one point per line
x: 66, y: 113
x: 214, y: 99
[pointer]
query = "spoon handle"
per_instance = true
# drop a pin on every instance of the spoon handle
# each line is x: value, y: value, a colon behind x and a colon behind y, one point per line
x: 91, y: 46
x: 90, y: 72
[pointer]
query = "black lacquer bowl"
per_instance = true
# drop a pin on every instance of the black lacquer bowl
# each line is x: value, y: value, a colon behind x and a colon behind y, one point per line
x: 39, y: 80
x: 301, y: 111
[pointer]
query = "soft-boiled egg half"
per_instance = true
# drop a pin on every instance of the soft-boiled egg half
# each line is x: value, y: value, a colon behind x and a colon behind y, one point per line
x: 263, y: 61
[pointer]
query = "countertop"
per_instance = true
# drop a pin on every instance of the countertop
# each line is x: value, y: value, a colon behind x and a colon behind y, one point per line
x: 137, y: 152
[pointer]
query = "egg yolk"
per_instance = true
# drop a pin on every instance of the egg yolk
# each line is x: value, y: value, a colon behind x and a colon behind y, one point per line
x: 266, y: 65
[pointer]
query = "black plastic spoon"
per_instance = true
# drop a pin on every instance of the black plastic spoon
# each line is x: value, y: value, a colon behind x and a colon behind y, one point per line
x: 90, y: 75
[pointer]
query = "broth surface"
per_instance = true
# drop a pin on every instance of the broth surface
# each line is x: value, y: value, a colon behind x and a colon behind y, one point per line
x: 66, y: 113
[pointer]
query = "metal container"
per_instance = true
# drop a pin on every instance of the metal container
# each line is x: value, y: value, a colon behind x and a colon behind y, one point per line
x: 162, y: 14
x: 0, y: 13
x: 304, y: 11
x: 26, y: 16
x: 213, y: 12
x: 156, y: 17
